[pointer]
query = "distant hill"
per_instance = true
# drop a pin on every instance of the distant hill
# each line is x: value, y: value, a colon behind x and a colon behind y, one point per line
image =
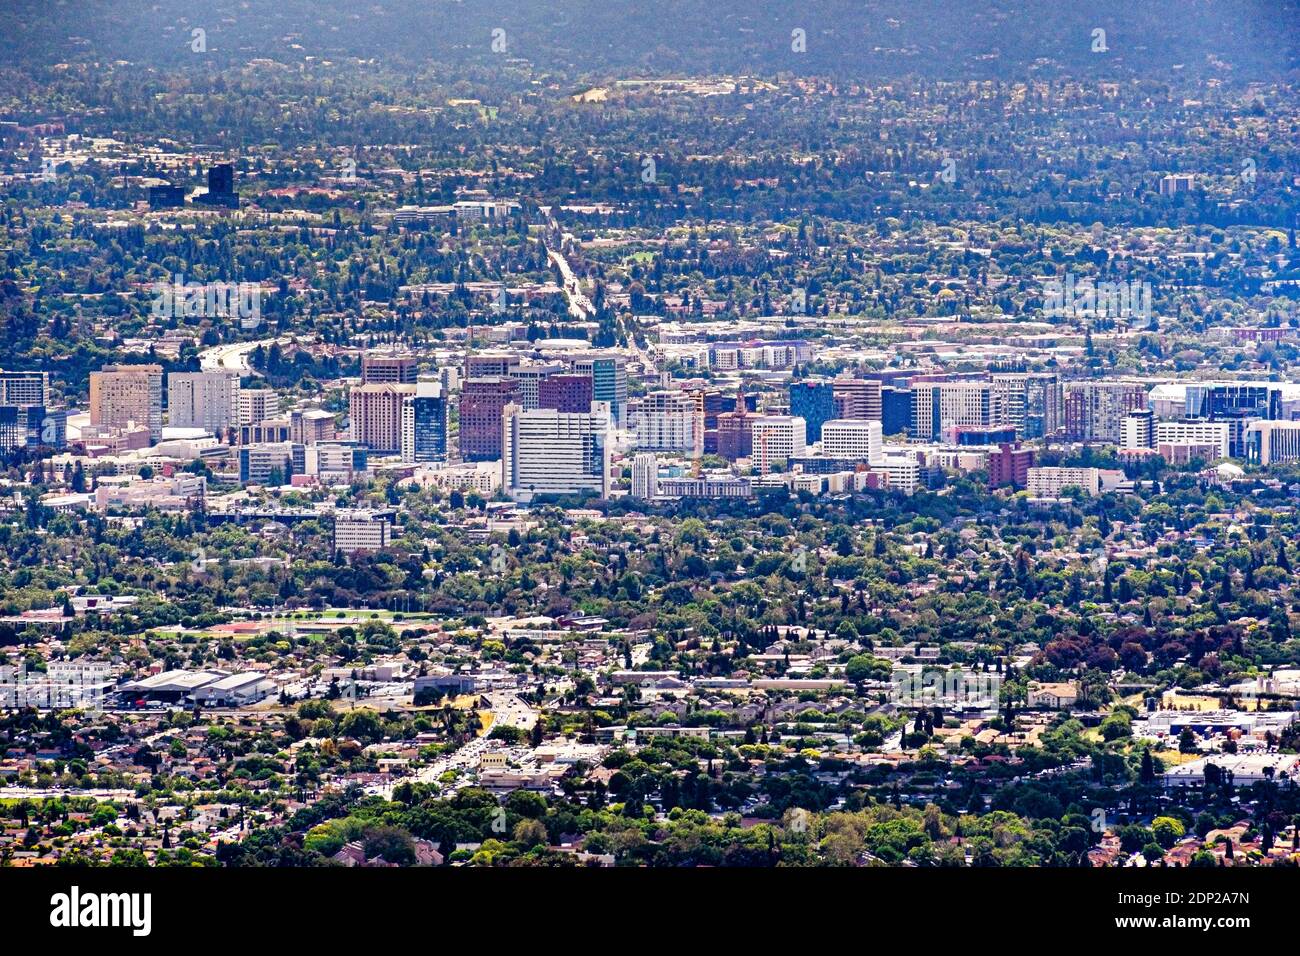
x: 871, y: 39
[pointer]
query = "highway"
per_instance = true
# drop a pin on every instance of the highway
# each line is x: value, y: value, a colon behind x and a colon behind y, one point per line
x: 231, y: 357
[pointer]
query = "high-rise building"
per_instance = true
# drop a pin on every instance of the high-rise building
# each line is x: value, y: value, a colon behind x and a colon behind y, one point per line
x: 24, y: 388
x: 936, y: 405
x: 556, y: 453
x: 122, y: 394
x: 1214, y: 435
x: 1237, y: 405
x: 531, y: 376
x: 482, y: 401
x: 361, y: 530
x: 389, y: 369
x: 221, y: 187
x: 221, y: 178
x: 814, y: 402
x: 1010, y: 465
x: 608, y: 382
x: 895, y: 410
x: 29, y: 426
x: 853, y: 439
x: 776, y: 438
x: 490, y: 364
x: 735, y: 435
x: 205, y: 400
x: 645, y: 475
x: 424, y: 424
x: 311, y: 425
x: 255, y: 405
x: 1029, y: 401
x: 1094, y: 411
x: 1137, y: 430
x: 375, y: 416
x: 858, y: 398
x: 670, y: 421
x: 565, y: 393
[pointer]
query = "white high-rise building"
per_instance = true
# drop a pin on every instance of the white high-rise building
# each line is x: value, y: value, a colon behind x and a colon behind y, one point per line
x: 255, y: 405
x: 777, y: 438
x: 207, y: 400
x: 645, y: 476
x: 853, y: 438
x: 1137, y: 430
x: 545, y: 451
x: 671, y: 421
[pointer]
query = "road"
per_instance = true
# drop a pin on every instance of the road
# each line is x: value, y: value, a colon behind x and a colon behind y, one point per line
x: 232, y: 357
x: 510, y: 711
x: 580, y: 306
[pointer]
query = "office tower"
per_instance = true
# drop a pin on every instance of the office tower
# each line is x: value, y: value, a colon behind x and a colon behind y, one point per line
x: 1094, y: 411
x: 716, y: 402
x: 852, y: 438
x: 776, y: 439
x: 30, y: 426
x: 608, y: 383
x: 206, y: 400
x: 1237, y: 405
x: 424, y: 424
x: 337, y: 462
x: 221, y: 178
x: 166, y: 196
x: 814, y: 402
x: 734, y: 432
x: 531, y: 376
x: 221, y: 187
x: 122, y: 394
x: 645, y: 475
x: 1214, y: 436
x: 255, y: 405
x: 545, y: 452
x: 1029, y: 401
x: 375, y: 415
x: 671, y: 421
x: 311, y: 426
x: 271, y: 463
x: 565, y: 393
x: 360, y: 530
x: 895, y: 410
x: 388, y: 370
x: 490, y: 364
x: 858, y: 398
x: 1137, y: 430
x: 937, y: 405
x: 1010, y: 465
x: 1271, y: 443
x: 24, y: 388
x: 482, y: 400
